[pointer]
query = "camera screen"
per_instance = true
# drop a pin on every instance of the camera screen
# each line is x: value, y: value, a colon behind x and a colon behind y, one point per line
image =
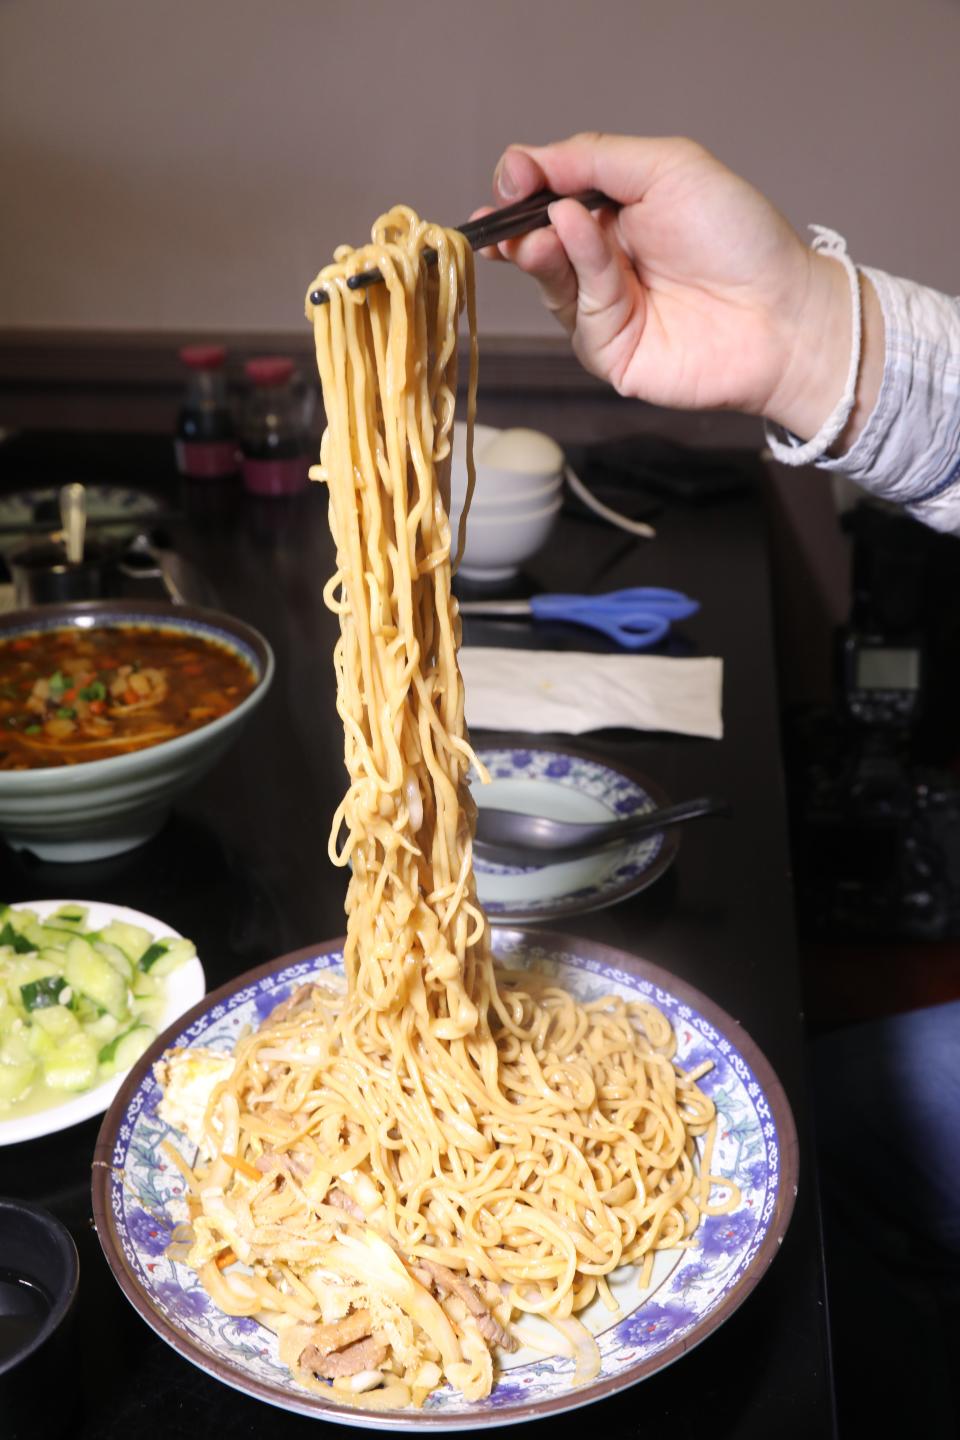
x: 888, y: 669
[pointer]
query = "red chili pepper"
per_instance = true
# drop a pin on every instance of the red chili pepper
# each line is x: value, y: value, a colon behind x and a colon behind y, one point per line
x: 193, y: 669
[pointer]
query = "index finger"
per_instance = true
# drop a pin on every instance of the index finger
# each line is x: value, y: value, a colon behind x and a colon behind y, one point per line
x: 622, y: 166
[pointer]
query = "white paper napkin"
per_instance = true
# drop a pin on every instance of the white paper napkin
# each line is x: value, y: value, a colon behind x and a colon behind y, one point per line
x: 550, y: 690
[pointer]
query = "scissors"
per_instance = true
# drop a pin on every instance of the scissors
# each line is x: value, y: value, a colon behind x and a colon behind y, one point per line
x: 635, y: 618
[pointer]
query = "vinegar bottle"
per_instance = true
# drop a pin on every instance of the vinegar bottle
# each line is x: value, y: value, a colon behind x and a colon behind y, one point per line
x: 276, y: 444
x: 206, y: 444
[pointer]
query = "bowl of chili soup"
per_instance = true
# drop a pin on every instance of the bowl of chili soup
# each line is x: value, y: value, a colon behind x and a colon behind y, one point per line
x: 109, y: 709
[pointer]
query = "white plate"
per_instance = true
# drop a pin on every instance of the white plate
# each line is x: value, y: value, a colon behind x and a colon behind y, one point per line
x: 185, y: 986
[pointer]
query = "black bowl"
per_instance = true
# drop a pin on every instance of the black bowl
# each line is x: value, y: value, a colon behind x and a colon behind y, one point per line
x: 38, y: 1251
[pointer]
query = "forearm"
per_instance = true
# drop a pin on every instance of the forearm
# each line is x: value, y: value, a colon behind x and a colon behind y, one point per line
x: 901, y: 439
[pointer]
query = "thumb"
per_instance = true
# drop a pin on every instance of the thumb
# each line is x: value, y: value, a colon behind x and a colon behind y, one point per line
x: 517, y: 175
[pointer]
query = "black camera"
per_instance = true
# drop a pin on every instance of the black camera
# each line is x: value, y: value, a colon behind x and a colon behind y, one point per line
x: 875, y: 778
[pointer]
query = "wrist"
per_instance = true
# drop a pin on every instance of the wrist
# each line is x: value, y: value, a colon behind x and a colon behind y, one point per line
x: 817, y: 349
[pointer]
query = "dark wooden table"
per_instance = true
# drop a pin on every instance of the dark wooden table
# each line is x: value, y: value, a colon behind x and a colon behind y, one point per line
x: 241, y: 867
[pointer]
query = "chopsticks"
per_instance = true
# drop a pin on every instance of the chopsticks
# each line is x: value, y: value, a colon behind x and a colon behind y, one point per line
x: 518, y: 219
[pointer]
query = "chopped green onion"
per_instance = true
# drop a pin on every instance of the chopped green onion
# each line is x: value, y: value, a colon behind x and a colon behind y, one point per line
x: 57, y: 682
x: 32, y: 730
x: 95, y: 691
x: 65, y: 713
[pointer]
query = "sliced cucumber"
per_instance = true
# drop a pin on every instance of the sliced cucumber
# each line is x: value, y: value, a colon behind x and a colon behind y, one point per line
x: 151, y: 1011
x: 39, y: 1042
x: 69, y: 917
x: 73, y: 1065
x: 133, y: 940
x: 25, y: 969
x: 13, y: 937
x: 146, y: 986
x: 103, y: 1029
x: 120, y: 961
x: 16, y: 1077
x: 121, y: 1053
x: 96, y: 978
x: 76, y: 1005
x: 165, y: 955
x: 42, y: 993
x: 58, y: 1021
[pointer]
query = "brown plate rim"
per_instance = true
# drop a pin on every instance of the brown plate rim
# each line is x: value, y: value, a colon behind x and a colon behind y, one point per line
x: 599, y: 1389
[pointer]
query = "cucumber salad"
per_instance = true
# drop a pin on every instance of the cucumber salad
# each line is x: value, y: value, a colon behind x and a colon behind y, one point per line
x: 77, y: 1006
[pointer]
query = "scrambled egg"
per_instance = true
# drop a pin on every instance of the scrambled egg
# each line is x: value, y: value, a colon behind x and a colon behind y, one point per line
x: 187, y: 1079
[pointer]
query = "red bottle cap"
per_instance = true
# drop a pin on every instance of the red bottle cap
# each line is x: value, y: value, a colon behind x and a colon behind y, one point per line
x: 203, y: 357
x: 269, y: 370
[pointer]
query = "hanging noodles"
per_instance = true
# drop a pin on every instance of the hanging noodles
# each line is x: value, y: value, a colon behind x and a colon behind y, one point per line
x: 405, y: 1168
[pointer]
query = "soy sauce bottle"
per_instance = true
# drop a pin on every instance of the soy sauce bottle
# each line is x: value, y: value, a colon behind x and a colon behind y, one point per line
x: 206, y: 444
x: 276, y: 444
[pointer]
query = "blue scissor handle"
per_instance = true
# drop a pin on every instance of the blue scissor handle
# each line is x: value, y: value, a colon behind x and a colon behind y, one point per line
x: 635, y: 618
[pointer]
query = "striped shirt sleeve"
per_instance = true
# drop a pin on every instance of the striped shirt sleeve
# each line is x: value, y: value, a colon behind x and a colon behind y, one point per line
x: 909, y: 450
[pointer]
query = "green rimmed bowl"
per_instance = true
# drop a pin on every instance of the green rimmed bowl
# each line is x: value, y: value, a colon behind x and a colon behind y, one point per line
x: 98, y: 808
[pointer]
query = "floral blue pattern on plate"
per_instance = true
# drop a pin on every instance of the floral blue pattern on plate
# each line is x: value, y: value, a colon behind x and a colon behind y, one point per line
x: 567, y: 785
x: 138, y: 1197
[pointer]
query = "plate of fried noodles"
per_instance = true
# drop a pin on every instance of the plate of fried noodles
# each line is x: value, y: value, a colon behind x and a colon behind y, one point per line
x: 290, y: 1265
x: 433, y: 1175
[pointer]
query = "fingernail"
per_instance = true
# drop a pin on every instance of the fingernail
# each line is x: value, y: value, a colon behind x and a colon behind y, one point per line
x: 503, y: 180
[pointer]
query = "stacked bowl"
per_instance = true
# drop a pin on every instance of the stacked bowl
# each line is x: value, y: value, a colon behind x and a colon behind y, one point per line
x: 518, y: 496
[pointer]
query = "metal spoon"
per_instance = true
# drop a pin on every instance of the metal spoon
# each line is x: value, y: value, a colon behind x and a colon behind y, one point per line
x: 510, y: 838
x: 73, y: 519
x: 144, y: 559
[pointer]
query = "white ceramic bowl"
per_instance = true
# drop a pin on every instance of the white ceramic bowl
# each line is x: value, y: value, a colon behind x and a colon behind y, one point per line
x: 525, y: 499
x: 499, y: 544
x: 498, y: 485
x: 103, y: 807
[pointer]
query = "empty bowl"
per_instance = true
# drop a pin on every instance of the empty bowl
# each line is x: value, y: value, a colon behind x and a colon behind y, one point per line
x: 497, y: 545
x: 518, y: 495
x: 95, y: 808
x: 39, y: 1273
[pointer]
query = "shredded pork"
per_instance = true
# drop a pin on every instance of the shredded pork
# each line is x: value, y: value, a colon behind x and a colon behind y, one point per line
x: 368, y: 1354
x: 448, y: 1282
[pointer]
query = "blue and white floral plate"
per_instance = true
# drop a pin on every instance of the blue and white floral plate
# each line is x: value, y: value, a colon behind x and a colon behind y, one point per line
x: 567, y: 785
x: 138, y: 1198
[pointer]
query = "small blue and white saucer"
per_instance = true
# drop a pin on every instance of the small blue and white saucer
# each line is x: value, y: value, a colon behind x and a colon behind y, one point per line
x: 566, y: 785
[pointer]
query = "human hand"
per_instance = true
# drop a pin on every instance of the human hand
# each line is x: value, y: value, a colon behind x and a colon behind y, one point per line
x: 697, y: 293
